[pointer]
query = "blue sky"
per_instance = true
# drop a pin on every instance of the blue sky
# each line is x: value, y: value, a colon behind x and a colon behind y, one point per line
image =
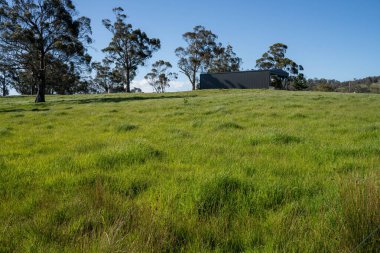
x: 333, y: 39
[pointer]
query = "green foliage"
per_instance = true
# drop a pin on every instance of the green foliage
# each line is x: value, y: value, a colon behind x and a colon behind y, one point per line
x: 204, y: 54
x: 369, y: 84
x: 106, y: 80
x: 160, y: 76
x: 204, y: 171
x: 198, y: 53
x: 129, y: 47
x: 275, y: 58
x: 324, y: 87
x: 299, y: 82
x: 44, y: 38
x: 224, y: 60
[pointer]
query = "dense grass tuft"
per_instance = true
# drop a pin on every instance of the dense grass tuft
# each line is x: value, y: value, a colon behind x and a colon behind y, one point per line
x: 5, y: 131
x: 276, y: 138
x: 298, y: 116
x: 135, y: 188
x: 126, y: 128
x: 360, y: 199
x: 281, y: 138
x: 222, y: 195
x: 230, y: 125
x: 132, y: 154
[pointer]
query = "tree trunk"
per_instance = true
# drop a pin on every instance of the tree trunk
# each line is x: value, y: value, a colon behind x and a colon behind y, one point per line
x: 194, y: 80
x: 40, y: 98
x: 128, y: 82
x: 4, y: 91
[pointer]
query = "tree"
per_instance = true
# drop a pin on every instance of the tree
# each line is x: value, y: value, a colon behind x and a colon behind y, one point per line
x: 129, y: 48
x: 299, y: 82
x: 4, y: 75
x: 61, y: 77
x: 198, y: 54
x: 44, y: 29
x: 224, y: 60
x: 5, y: 80
x: 107, y: 79
x: 275, y: 58
x: 136, y: 90
x: 103, y: 75
x: 6, y: 72
x: 160, y: 76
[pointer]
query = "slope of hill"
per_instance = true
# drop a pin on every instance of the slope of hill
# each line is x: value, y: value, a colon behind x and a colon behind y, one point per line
x: 227, y: 171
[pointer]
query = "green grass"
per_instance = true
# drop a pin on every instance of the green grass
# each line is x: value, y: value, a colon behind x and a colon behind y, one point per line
x: 205, y: 171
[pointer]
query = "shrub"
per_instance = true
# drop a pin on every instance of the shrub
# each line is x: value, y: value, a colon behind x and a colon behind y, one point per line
x: 324, y: 87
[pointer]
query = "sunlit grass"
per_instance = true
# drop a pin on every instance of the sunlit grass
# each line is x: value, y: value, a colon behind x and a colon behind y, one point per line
x: 205, y: 171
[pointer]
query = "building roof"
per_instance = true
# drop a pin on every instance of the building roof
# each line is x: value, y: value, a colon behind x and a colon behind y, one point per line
x: 277, y: 72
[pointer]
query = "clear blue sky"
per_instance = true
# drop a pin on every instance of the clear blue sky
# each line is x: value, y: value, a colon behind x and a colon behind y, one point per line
x: 334, y: 39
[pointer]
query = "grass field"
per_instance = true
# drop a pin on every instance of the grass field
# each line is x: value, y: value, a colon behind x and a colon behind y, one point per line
x: 205, y: 171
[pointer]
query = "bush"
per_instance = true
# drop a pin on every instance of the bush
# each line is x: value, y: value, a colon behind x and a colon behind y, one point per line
x: 324, y: 87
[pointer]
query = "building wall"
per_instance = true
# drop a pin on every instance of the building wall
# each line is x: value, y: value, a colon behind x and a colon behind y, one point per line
x: 236, y: 80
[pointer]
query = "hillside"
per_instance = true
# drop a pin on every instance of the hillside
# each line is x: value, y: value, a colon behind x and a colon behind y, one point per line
x: 204, y: 171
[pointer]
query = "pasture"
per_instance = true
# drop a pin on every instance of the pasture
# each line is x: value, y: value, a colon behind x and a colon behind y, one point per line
x: 203, y: 171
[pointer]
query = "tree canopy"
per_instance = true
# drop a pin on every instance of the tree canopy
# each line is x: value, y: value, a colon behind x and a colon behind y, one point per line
x: 275, y: 58
x: 224, y: 60
x: 39, y: 33
x: 129, y: 47
x: 204, y: 54
x: 160, y: 76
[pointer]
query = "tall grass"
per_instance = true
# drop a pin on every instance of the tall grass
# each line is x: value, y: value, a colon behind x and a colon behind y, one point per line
x: 206, y: 171
x: 360, y: 200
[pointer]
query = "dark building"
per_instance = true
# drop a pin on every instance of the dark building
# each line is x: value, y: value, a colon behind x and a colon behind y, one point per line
x: 255, y: 79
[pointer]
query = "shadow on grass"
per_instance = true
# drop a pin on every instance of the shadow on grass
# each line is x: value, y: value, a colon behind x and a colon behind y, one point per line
x: 93, y: 100
x: 123, y: 99
x: 24, y: 110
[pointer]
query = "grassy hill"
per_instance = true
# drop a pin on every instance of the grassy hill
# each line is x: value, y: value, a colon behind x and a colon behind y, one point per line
x: 206, y: 171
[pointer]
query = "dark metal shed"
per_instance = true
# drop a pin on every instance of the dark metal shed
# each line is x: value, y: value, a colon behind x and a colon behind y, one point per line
x: 255, y: 79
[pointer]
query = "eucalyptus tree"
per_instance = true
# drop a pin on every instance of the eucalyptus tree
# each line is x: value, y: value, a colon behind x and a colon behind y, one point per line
x: 6, y: 68
x: 198, y: 53
x: 275, y: 58
x: 160, y: 76
x: 129, y: 47
x: 44, y: 29
x: 103, y: 75
x: 224, y: 60
x: 4, y: 75
x: 5, y: 82
x: 107, y: 79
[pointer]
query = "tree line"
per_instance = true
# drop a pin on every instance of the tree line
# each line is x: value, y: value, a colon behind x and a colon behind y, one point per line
x: 44, y: 50
x: 364, y: 85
